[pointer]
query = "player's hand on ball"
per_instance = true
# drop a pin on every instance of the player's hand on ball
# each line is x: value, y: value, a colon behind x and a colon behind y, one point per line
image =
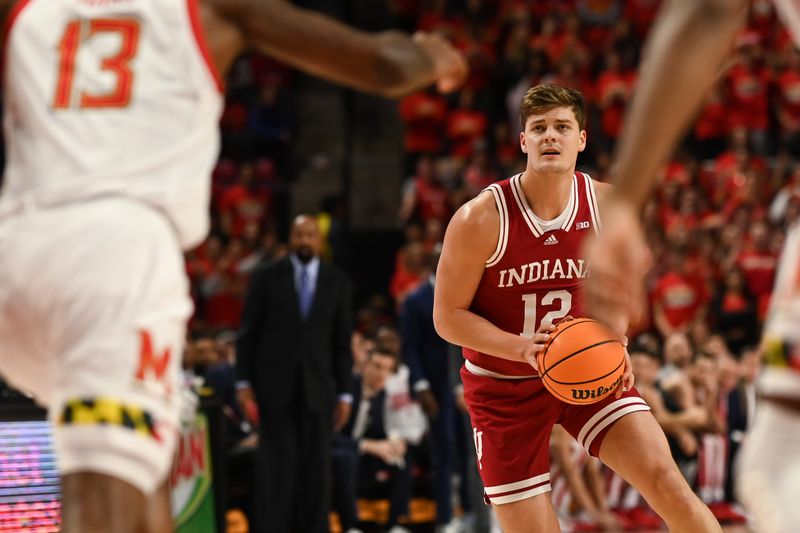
x: 627, y: 381
x: 537, y: 344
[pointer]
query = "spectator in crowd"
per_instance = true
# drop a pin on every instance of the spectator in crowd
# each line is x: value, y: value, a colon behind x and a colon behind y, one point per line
x: 294, y: 356
x: 424, y: 196
x: 410, y: 273
x: 677, y: 421
x: 424, y: 114
x: 427, y: 356
x: 578, y: 487
x: 758, y: 263
x: 270, y: 120
x: 679, y: 298
x: 364, y: 447
x: 733, y: 311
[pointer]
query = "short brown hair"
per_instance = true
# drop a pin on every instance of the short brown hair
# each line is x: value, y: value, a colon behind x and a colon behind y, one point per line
x: 542, y: 98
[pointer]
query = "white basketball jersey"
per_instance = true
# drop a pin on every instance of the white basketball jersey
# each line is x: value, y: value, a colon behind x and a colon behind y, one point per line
x: 111, y: 98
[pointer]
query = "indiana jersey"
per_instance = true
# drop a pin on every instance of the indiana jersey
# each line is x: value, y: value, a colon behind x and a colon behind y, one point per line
x: 536, y: 271
x: 111, y: 98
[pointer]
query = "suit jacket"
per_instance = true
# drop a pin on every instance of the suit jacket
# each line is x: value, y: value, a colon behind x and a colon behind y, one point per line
x: 424, y: 351
x: 376, y: 424
x: 287, y: 359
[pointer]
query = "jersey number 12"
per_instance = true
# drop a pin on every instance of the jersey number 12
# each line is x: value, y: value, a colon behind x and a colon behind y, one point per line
x: 530, y: 325
x: 118, y: 63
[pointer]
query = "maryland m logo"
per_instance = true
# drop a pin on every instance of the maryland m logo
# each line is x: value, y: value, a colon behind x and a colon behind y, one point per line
x: 152, y: 366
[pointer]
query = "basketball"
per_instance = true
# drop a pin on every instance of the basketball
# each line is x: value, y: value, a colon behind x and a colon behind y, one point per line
x: 582, y: 363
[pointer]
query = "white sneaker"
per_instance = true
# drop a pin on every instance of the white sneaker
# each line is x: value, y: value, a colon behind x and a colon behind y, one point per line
x: 456, y: 525
x: 353, y: 530
x: 399, y: 529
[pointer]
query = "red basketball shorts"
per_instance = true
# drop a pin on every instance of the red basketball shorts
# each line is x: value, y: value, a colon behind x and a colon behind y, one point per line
x: 511, y: 424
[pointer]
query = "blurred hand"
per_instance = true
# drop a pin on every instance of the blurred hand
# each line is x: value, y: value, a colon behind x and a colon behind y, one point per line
x: 537, y: 344
x: 247, y: 404
x: 687, y: 442
x: 385, y: 449
x: 428, y: 402
x: 341, y: 414
x: 628, y: 379
x: 696, y: 416
x: 450, y: 65
x: 607, y: 521
x: 619, y: 260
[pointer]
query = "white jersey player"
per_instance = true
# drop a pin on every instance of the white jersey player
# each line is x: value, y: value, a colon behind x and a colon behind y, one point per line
x: 111, y: 109
x: 690, y: 42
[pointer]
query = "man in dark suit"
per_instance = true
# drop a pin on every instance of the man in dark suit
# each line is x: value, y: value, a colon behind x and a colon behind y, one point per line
x: 364, y: 448
x: 294, y: 349
x: 429, y: 359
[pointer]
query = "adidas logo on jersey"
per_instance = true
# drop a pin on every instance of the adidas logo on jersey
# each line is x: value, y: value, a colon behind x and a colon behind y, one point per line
x: 551, y: 240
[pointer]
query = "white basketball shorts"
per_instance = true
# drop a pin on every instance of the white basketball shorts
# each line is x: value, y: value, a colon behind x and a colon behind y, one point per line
x: 93, y: 307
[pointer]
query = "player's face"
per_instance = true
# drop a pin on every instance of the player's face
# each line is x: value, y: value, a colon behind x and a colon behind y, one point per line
x: 552, y: 141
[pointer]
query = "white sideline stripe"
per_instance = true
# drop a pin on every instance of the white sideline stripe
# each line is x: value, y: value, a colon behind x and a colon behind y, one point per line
x: 603, y: 412
x: 500, y: 500
x: 472, y: 368
x: 508, y: 487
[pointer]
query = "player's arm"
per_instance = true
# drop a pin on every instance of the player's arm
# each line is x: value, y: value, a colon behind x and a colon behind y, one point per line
x: 387, y: 63
x: 685, y: 51
x: 470, y: 240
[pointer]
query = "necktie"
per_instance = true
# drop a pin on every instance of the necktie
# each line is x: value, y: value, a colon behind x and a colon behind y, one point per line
x: 305, y: 294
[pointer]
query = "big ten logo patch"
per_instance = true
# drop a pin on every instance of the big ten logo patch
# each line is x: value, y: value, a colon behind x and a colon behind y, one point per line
x: 477, y: 436
x: 152, y: 370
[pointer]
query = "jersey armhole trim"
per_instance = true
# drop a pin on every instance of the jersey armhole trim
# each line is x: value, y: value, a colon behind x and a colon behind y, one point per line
x: 202, y: 44
x: 502, y: 237
x: 12, y: 16
x: 592, y: 201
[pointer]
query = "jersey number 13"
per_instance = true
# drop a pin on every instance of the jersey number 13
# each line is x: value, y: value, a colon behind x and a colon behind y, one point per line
x: 75, y: 35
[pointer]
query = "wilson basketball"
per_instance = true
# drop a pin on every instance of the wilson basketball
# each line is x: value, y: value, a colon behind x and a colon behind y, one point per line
x: 582, y: 362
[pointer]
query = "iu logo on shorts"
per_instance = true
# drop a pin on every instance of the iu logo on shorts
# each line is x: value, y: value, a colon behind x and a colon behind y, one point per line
x: 477, y: 436
x: 152, y: 366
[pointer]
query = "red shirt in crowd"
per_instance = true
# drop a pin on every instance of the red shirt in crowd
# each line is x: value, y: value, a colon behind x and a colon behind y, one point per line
x: 240, y: 205
x: 681, y: 298
x: 432, y: 200
x: 613, y: 91
x: 759, y: 270
x: 787, y: 84
x: 464, y: 128
x: 748, y: 96
x: 424, y: 116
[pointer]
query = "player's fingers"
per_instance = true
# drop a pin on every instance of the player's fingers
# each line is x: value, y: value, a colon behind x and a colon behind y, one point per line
x: 620, y: 388
x: 531, y: 359
x: 541, y: 338
x: 629, y: 380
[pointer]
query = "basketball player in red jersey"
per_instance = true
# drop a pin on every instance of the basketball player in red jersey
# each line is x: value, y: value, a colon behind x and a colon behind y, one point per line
x: 511, y: 266
x: 111, y: 111
x: 691, y: 41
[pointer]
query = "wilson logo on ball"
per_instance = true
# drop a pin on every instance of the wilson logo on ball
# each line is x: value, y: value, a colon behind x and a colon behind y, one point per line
x: 583, y: 361
x: 598, y: 393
